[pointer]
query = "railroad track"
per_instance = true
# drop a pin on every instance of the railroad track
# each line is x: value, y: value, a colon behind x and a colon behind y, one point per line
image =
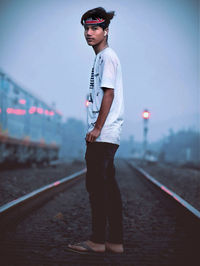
x: 137, y: 181
x: 183, y: 204
x: 14, y: 211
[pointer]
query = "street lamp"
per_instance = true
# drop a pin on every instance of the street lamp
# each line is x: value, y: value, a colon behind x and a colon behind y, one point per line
x: 145, y: 115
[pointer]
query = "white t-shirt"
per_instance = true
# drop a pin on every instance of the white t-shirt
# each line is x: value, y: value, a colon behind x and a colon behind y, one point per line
x: 106, y: 72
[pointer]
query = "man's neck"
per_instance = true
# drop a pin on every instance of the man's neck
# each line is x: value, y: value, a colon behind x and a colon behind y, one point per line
x: 100, y: 47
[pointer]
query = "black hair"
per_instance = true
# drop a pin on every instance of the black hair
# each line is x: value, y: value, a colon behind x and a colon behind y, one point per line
x: 98, y: 12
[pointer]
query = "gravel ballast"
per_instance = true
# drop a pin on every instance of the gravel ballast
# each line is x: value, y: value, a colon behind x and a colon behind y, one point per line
x: 19, y: 182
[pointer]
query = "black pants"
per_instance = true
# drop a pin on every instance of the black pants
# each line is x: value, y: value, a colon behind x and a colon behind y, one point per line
x: 104, y: 194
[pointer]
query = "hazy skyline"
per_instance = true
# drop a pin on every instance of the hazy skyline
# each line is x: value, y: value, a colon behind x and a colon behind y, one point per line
x: 44, y: 50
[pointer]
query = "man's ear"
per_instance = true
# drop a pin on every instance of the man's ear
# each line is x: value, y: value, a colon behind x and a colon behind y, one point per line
x: 106, y: 30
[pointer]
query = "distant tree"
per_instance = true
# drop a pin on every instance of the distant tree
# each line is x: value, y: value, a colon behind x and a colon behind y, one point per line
x: 181, y: 146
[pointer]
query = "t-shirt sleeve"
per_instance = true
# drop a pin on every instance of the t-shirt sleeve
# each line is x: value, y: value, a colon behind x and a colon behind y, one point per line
x: 109, y: 71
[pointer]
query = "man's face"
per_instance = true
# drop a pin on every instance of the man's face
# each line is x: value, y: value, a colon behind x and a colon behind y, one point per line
x: 93, y: 34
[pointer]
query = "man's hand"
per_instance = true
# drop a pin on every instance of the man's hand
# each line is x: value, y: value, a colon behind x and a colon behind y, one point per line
x: 92, y: 135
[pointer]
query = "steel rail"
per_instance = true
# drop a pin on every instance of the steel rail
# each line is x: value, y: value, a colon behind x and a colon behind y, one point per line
x: 168, y: 191
x: 18, y: 207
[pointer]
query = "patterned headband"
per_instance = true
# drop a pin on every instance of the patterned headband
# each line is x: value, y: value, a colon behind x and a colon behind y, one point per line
x: 94, y: 21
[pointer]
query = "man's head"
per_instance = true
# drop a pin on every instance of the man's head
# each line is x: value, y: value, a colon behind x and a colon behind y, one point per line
x: 96, y: 22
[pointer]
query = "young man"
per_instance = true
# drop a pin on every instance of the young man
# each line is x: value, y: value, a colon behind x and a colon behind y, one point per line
x: 105, y: 119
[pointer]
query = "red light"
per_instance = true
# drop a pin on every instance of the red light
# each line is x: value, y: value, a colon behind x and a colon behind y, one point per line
x: 9, y: 110
x: 56, y: 183
x: 166, y: 190
x: 146, y: 114
x: 22, y: 101
x: 87, y: 103
x: 51, y: 113
x: 40, y: 110
x: 16, y: 111
x: 19, y: 111
x: 32, y: 110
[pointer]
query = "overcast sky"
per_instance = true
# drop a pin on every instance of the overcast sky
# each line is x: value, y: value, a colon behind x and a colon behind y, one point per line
x: 42, y: 47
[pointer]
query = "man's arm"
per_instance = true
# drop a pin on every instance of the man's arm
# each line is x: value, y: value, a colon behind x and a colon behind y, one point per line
x: 103, y: 113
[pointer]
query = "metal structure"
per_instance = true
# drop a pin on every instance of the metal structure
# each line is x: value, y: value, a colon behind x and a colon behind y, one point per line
x: 30, y: 130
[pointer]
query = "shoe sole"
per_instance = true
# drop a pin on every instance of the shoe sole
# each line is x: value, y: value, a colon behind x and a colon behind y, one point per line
x: 87, y: 252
